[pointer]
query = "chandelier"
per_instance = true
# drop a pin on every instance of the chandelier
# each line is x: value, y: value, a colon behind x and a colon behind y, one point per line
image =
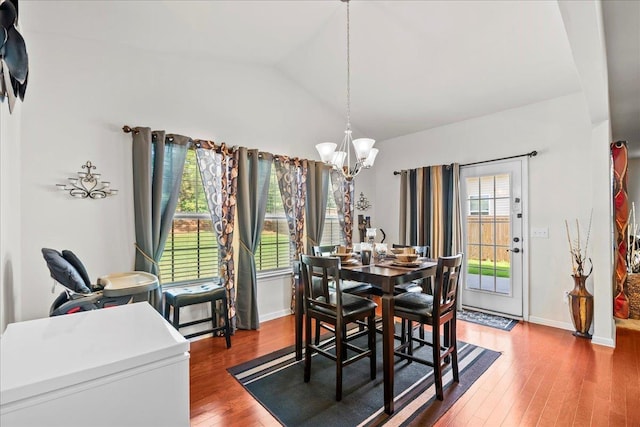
x: 340, y: 157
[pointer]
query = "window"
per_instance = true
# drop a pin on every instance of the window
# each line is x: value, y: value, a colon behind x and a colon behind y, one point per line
x: 191, y: 250
x: 479, y: 206
x: 331, y: 233
x: 274, y: 251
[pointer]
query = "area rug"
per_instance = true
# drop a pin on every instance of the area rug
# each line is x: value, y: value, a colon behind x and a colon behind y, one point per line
x: 486, y: 319
x: 276, y: 381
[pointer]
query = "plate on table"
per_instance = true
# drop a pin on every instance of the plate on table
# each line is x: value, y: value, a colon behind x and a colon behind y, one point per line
x: 349, y: 261
x: 416, y: 263
x: 343, y: 256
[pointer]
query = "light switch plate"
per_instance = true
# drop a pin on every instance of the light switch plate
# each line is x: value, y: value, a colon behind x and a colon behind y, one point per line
x: 540, y: 232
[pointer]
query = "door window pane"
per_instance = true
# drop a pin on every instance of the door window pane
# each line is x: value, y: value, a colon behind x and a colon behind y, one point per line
x: 488, y: 233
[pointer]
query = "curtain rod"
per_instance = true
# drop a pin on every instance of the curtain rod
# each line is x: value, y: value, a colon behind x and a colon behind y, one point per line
x: 129, y: 129
x: 531, y: 154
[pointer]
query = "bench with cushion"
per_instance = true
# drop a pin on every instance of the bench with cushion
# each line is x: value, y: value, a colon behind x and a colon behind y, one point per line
x: 211, y: 292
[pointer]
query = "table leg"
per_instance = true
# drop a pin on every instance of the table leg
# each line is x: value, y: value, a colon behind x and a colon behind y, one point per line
x: 387, y: 350
x: 298, y: 314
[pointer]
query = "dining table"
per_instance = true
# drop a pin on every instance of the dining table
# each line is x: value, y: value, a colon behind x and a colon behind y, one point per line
x: 384, y: 275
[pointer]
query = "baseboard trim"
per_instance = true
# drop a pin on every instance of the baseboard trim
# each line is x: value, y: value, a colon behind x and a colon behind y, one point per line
x: 275, y: 315
x: 606, y: 342
x: 552, y: 323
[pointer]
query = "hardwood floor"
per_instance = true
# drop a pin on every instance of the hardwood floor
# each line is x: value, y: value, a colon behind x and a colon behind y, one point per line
x: 545, y: 377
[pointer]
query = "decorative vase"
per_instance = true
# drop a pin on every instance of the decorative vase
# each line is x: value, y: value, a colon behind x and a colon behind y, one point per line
x: 581, y: 307
x: 371, y: 236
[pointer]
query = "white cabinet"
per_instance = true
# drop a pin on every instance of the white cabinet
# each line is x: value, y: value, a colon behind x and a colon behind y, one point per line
x: 121, y: 366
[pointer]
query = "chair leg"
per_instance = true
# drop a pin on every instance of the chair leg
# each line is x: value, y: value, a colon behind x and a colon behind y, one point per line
x: 447, y: 340
x: 214, y: 314
x: 372, y: 345
x: 437, y: 366
x: 403, y: 331
x: 166, y: 309
x: 176, y: 316
x: 344, y: 336
x: 339, y: 354
x: 454, y: 353
x: 317, y: 337
x: 410, y: 338
x: 307, y: 348
x: 227, y: 322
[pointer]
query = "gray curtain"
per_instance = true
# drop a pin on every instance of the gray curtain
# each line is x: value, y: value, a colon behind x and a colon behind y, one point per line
x: 343, y: 195
x: 316, y: 204
x: 253, y: 186
x: 158, y: 162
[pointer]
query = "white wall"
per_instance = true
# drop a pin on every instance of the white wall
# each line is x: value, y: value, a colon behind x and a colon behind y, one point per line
x: 10, y: 262
x: 80, y: 95
x: 560, y: 186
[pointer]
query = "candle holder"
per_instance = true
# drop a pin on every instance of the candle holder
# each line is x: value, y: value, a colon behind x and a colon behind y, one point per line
x: 88, y: 185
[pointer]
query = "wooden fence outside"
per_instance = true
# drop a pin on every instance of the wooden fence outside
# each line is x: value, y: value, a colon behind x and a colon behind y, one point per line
x: 480, y: 231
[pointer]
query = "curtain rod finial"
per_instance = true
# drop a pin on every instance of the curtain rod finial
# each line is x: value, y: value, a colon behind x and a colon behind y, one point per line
x: 127, y: 129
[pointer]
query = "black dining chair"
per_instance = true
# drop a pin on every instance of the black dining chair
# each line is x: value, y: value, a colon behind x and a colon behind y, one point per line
x: 435, y: 310
x: 332, y: 306
x: 347, y: 286
x: 416, y: 285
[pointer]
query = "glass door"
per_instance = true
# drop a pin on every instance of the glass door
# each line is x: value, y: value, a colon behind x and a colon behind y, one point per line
x: 492, y: 217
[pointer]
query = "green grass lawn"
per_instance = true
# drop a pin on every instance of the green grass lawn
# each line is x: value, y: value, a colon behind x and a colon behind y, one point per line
x: 486, y: 268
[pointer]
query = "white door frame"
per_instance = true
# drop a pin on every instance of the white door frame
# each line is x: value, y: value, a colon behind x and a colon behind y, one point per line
x: 524, y: 244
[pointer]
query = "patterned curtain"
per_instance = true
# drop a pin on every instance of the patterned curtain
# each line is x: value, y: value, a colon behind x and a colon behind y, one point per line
x: 219, y: 171
x: 292, y: 177
x: 343, y: 195
x: 619, y: 157
x: 158, y: 162
x: 430, y: 210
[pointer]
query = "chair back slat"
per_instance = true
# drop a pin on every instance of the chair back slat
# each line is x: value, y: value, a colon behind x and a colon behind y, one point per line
x: 445, y: 291
x: 326, y: 270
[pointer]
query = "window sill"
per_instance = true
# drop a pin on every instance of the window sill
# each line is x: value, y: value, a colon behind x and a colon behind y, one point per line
x: 188, y: 283
x: 275, y: 273
x: 282, y: 272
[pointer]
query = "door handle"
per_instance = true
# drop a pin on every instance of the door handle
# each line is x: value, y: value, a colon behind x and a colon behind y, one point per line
x: 515, y: 250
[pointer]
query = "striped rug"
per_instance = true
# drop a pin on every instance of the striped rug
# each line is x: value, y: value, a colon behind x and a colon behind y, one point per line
x: 276, y: 381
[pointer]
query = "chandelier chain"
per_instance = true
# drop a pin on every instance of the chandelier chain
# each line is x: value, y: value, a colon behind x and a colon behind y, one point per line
x: 348, y: 72
x: 339, y: 156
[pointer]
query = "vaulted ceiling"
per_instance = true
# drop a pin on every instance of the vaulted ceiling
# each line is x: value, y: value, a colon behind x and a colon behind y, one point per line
x: 414, y: 64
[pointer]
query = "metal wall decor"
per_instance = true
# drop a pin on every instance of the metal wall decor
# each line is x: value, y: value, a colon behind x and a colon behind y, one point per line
x: 88, y: 185
x: 363, y: 203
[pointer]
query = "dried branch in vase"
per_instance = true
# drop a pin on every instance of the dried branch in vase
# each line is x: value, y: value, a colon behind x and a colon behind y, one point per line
x: 578, y: 254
